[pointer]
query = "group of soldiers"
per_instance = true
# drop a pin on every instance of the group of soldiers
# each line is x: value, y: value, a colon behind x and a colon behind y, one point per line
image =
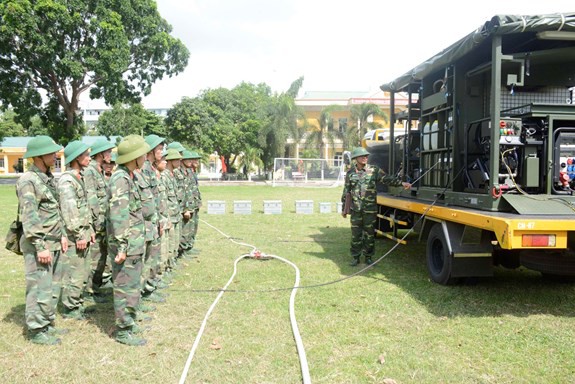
x: 91, y: 228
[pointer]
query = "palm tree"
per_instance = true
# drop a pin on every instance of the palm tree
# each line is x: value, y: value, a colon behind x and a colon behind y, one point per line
x: 360, y: 114
x: 250, y: 158
x: 323, y: 135
x: 283, y: 116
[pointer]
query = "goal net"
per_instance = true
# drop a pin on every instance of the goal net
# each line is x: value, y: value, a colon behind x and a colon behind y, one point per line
x: 308, y: 172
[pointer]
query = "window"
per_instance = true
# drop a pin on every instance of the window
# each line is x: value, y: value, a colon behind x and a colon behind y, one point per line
x: 2, y: 163
x: 342, y: 124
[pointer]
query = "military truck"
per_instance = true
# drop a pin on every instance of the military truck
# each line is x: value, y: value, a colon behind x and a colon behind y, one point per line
x: 489, y: 145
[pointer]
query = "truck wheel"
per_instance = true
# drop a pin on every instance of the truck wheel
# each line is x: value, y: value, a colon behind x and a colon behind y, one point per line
x: 439, y: 260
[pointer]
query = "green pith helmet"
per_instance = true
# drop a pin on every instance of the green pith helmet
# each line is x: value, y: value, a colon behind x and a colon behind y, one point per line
x: 130, y: 148
x: 187, y: 155
x: 359, y: 151
x: 177, y: 146
x: 154, y: 140
x: 173, y: 154
x: 73, y: 150
x: 41, y: 145
x: 195, y: 155
x: 100, y: 146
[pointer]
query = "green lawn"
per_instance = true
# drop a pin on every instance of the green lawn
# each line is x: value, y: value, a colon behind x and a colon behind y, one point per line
x: 389, y: 322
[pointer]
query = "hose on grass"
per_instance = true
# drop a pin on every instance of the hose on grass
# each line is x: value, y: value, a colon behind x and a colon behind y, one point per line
x: 255, y: 254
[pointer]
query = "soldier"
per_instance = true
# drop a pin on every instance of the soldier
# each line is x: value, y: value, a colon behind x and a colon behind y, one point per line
x: 359, y: 184
x: 42, y: 241
x: 110, y: 166
x: 173, y: 158
x: 181, y: 180
x: 126, y: 238
x: 78, y: 222
x: 196, y: 202
x: 188, y: 206
x: 97, y: 189
x: 147, y: 180
x: 165, y: 222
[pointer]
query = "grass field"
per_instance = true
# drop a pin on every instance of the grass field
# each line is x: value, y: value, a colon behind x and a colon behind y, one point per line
x: 389, y: 322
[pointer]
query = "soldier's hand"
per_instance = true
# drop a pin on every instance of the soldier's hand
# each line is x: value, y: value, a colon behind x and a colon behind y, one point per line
x: 187, y: 215
x: 406, y: 185
x: 81, y: 244
x: 64, y: 244
x: 344, y: 215
x: 120, y: 257
x: 44, y: 257
x: 161, y: 229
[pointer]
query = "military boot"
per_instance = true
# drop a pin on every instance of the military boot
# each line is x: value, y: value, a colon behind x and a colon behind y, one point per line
x: 43, y: 337
x: 76, y: 314
x: 368, y: 261
x: 127, y: 337
x: 53, y: 331
x: 136, y: 329
x: 153, y: 297
x: 160, y: 284
x: 145, y: 308
x: 354, y: 262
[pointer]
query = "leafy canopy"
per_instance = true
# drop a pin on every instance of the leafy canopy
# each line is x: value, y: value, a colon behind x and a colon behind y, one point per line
x: 52, y: 51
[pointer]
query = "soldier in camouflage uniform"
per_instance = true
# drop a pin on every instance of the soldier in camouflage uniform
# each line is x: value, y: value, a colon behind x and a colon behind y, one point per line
x: 196, y: 201
x: 360, y: 183
x: 165, y: 221
x: 97, y: 189
x: 126, y: 238
x: 78, y: 222
x: 147, y: 180
x: 182, y: 182
x: 42, y: 241
x: 173, y: 158
x: 188, y: 206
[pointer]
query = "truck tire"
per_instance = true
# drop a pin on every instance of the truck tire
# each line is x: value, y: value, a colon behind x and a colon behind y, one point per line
x: 439, y: 259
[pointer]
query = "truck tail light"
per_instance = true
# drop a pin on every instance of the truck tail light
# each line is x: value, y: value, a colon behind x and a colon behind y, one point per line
x: 538, y: 240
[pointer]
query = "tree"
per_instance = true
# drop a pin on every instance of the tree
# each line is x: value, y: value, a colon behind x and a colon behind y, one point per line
x: 360, y: 114
x: 285, y: 120
x: 116, y: 49
x: 188, y: 121
x: 131, y: 120
x: 9, y: 127
x: 322, y: 135
x: 251, y: 157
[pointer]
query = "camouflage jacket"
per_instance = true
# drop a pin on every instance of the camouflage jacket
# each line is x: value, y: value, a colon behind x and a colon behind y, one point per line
x: 97, y: 190
x: 361, y: 184
x: 153, y: 176
x: 39, y: 210
x: 125, y: 225
x: 169, y: 182
x: 163, y: 210
x: 148, y: 193
x: 195, y: 197
x: 74, y: 206
x: 181, y: 185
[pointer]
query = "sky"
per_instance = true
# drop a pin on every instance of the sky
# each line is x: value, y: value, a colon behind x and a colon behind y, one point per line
x: 336, y: 45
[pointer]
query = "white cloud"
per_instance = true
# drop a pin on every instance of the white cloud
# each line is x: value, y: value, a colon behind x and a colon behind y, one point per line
x: 335, y: 44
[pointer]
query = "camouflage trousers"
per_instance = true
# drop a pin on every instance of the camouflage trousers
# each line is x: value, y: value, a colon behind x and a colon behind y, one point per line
x: 151, y: 262
x: 164, y: 249
x: 77, y: 270
x: 196, y: 221
x: 362, y: 234
x: 43, y: 286
x: 186, y: 236
x: 126, y: 278
x: 98, y: 263
x: 173, y: 245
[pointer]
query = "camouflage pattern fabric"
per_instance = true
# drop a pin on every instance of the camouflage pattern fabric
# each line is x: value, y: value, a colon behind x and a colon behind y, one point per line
x: 146, y: 180
x: 175, y: 216
x: 361, y: 184
x: 97, y: 190
x: 165, y: 223
x: 187, y: 225
x: 126, y: 234
x: 42, y: 229
x: 78, y: 223
x: 195, y: 205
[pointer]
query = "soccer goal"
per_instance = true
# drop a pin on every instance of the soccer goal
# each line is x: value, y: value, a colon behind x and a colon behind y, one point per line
x: 308, y: 172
